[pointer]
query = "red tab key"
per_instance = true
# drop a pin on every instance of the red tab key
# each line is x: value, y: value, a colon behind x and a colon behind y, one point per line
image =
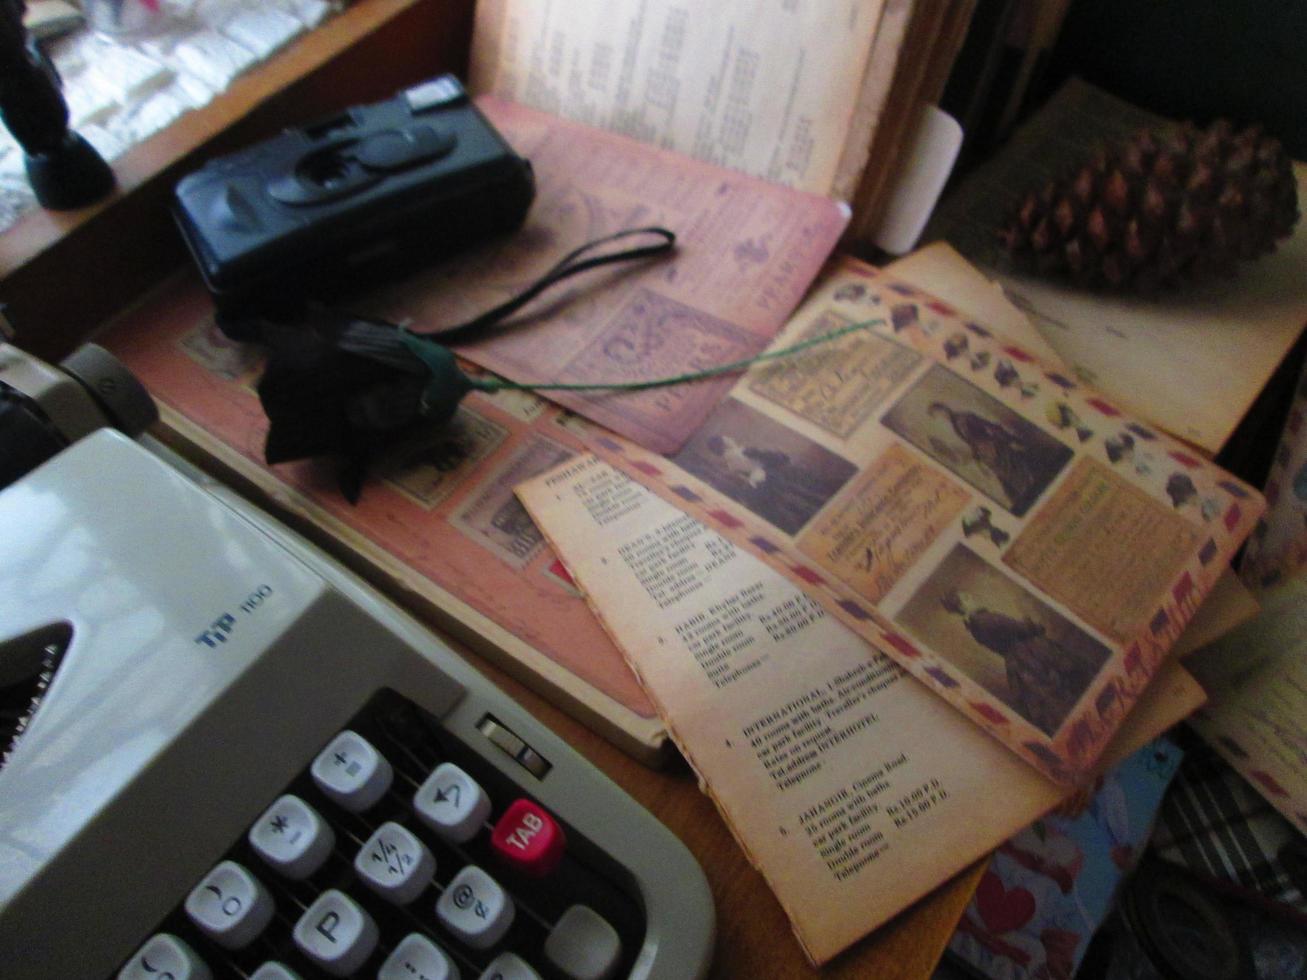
x: 529, y: 839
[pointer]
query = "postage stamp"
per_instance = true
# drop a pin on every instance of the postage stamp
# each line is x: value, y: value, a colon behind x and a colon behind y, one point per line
x: 1004, y: 456
x: 778, y: 474
x: 1072, y: 549
x: 430, y: 469
x: 839, y: 385
x: 655, y: 336
x: 1006, y: 638
x: 494, y: 518
x: 891, y: 513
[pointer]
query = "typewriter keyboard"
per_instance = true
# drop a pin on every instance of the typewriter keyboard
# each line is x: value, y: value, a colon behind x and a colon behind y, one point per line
x: 399, y: 853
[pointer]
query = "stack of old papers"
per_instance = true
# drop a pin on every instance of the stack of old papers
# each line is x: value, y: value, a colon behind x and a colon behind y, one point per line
x: 895, y: 598
x: 916, y: 514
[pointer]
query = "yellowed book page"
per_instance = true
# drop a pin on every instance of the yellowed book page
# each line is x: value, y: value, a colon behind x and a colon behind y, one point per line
x: 902, y: 109
x: 873, y: 99
x: 1256, y: 678
x: 1278, y: 548
x: 1007, y: 535
x: 1191, y: 361
x: 941, y: 270
x: 772, y: 95
x: 852, y: 788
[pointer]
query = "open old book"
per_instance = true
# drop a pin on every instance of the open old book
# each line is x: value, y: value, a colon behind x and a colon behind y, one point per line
x: 1009, y: 537
x: 822, y: 97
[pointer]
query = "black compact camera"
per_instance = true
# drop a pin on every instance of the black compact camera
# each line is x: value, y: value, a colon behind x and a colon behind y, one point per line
x: 370, y: 192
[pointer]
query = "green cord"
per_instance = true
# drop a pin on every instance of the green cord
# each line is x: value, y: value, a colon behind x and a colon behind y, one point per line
x: 500, y: 384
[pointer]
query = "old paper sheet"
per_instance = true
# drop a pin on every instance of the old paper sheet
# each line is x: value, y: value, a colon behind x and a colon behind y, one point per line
x: 772, y: 96
x: 852, y: 787
x: 913, y: 63
x: 1010, y: 537
x: 746, y: 252
x: 1278, y: 547
x: 1190, y: 361
x: 1256, y: 679
x: 874, y: 101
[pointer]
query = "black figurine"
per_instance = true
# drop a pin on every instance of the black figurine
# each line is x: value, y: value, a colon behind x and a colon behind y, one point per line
x: 65, y: 171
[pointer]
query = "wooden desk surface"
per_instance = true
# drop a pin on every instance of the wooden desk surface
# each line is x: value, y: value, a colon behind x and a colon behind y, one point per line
x: 753, y: 936
x: 373, y: 49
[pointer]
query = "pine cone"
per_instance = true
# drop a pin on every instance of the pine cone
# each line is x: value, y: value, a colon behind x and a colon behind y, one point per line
x: 1163, y: 209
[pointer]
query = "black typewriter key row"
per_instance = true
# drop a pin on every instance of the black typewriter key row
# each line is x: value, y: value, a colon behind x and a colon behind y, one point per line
x: 383, y: 860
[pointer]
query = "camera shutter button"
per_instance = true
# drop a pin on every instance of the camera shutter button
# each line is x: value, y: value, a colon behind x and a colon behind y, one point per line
x: 398, y: 149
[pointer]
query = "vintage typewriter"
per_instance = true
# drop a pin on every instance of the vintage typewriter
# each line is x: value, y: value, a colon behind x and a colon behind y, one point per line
x: 229, y: 757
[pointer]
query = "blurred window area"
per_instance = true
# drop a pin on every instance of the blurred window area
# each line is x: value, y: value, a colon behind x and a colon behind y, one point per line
x: 131, y: 67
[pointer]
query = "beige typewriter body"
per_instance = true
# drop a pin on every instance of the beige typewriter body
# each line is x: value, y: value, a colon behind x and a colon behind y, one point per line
x: 208, y: 655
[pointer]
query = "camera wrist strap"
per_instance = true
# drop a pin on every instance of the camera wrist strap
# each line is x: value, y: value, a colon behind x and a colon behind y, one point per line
x: 577, y: 260
x: 385, y: 342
